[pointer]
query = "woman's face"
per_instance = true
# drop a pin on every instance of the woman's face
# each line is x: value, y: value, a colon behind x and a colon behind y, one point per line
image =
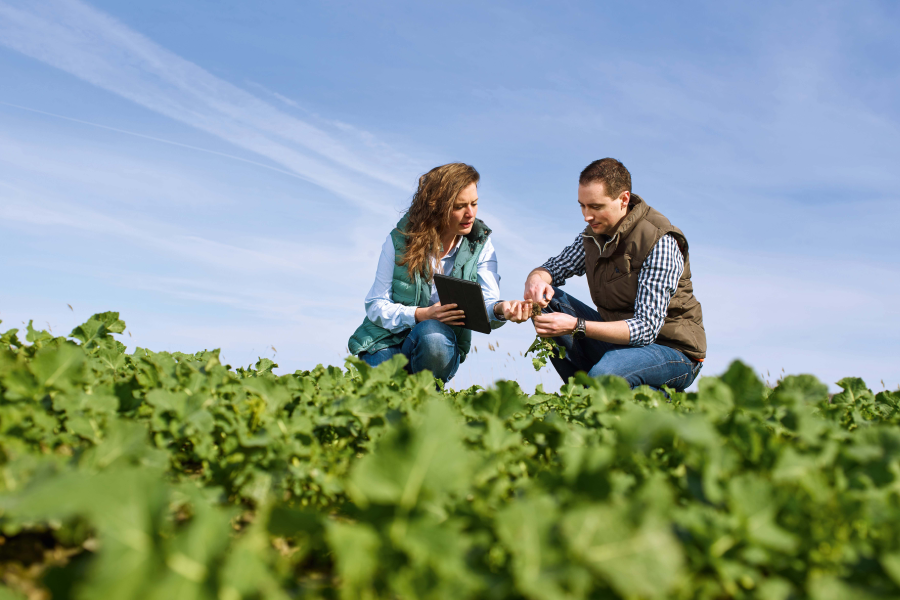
x: 464, y: 210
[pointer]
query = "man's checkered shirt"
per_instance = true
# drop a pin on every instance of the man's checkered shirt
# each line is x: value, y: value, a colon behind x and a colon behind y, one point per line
x: 657, y: 283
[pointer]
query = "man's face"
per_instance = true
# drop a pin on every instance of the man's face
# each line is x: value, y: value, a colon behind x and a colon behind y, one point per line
x: 600, y: 211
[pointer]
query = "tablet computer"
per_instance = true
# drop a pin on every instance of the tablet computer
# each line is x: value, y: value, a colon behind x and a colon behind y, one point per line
x: 468, y: 298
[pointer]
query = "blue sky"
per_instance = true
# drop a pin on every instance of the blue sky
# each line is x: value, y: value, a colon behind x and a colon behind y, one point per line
x: 224, y: 173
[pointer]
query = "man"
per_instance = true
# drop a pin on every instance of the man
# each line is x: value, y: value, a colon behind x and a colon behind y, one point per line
x: 648, y: 326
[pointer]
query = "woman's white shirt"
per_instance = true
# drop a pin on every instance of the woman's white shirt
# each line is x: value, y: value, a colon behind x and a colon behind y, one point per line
x: 384, y: 312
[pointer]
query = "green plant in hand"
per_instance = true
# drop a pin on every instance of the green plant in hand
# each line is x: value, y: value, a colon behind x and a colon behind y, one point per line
x: 544, y: 348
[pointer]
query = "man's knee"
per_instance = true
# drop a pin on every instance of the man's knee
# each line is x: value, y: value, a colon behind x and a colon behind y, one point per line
x: 609, y: 365
x: 608, y: 368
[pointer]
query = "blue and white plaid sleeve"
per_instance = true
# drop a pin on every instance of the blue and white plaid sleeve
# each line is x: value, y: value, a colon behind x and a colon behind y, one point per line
x: 569, y: 262
x: 657, y: 283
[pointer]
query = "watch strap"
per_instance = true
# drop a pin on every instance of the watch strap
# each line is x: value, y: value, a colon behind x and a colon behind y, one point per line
x: 580, y: 329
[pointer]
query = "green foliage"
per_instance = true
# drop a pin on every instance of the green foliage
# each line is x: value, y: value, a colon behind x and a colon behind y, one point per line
x: 544, y: 349
x: 167, y: 475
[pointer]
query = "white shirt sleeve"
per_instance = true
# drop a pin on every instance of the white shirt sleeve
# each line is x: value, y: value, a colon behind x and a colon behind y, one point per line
x: 489, y: 280
x: 380, y: 306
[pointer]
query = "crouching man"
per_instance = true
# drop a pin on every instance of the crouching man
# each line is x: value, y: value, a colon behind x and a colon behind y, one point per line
x: 647, y: 326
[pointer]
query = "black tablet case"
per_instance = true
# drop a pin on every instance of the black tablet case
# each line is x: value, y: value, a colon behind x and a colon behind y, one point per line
x: 468, y: 297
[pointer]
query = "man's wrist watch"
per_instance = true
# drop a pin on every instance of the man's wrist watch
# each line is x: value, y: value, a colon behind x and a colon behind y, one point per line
x: 498, y: 304
x: 579, y: 332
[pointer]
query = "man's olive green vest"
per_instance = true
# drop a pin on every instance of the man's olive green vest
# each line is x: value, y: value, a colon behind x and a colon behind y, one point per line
x: 370, y: 337
x: 613, y: 266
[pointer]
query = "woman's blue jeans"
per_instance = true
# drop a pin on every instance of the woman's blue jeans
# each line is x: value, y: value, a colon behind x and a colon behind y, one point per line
x: 654, y: 365
x: 430, y: 345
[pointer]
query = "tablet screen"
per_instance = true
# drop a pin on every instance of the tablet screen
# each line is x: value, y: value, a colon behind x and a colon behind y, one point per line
x: 468, y: 297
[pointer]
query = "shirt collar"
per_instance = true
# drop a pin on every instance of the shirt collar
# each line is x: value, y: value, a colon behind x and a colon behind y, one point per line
x: 455, y: 247
x: 452, y: 254
x: 608, y: 240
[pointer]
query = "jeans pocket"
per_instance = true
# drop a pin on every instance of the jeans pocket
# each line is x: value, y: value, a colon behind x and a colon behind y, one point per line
x: 695, y: 370
x: 680, y: 382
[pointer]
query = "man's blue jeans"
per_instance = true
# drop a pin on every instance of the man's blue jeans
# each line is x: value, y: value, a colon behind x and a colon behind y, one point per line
x: 654, y: 365
x: 430, y: 345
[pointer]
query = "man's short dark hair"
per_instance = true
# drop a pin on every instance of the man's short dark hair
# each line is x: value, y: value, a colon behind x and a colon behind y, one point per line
x: 613, y: 174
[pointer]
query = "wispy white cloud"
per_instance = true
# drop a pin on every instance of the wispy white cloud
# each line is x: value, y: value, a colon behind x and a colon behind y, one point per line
x: 268, y: 303
x: 20, y: 207
x: 272, y: 283
x: 127, y: 179
x: 259, y: 255
x: 152, y: 216
x: 95, y: 47
x: 32, y: 165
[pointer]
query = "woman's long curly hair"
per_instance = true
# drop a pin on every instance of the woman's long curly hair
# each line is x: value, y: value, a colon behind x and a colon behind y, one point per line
x: 429, y: 215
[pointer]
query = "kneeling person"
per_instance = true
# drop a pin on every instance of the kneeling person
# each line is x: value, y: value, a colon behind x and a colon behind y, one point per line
x: 647, y: 326
x: 439, y: 233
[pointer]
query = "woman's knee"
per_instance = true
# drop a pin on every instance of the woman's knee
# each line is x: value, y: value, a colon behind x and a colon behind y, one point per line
x: 379, y: 356
x: 433, y: 327
x: 434, y: 336
x: 434, y: 346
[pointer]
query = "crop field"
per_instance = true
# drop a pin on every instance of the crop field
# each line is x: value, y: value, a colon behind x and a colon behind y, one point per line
x: 172, y: 476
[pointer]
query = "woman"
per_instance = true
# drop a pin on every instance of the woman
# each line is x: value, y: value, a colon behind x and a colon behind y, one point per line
x: 440, y: 234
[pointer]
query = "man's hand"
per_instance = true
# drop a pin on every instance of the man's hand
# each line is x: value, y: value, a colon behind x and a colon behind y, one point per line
x: 517, y: 311
x: 554, y: 324
x: 538, y: 288
x: 445, y: 314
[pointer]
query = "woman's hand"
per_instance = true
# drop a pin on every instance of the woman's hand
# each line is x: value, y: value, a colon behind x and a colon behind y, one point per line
x: 445, y: 314
x: 517, y: 311
x: 554, y: 324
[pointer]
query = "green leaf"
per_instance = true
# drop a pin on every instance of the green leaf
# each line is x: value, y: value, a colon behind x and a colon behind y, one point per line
x: 504, y: 401
x: 643, y: 561
x: 774, y: 588
x: 289, y: 522
x: 752, y: 498
x: 544, y: 349
x: 891, y: 564
x: 828, y: 587
x: 99, y: 402
x: 10, y: 594
x: 714, y: 397
x: 428, y: 460
x: 10, y: 338
x: 37, y: 337
x: 438, y: 550
x: 166, y: 401
x: 265, y: 365
x: 356, y: 547
x: 747, y: 389
x: 855, y: 390
x: 60, y: 368
x: 525, y: 527
x: 97, y: 328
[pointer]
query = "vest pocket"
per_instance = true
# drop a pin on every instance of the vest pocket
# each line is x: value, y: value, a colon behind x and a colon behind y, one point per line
x: 618, y: 267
